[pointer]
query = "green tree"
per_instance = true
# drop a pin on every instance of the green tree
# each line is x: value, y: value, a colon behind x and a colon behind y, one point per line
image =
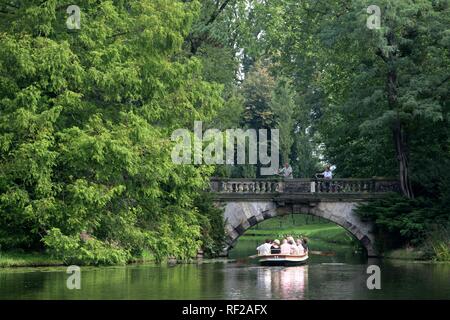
x: 85, y: 123
x: 283, y: 107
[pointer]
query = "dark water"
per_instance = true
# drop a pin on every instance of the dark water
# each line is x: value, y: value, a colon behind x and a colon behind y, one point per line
x: 339, y: 277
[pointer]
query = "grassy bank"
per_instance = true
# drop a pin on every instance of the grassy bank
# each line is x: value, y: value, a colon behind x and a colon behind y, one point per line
x: 27, y: 259
x: 315, y: 229
x: 438, y: 253
x: 405, y: 254
x: 328, y: 233
x: 14, y: 259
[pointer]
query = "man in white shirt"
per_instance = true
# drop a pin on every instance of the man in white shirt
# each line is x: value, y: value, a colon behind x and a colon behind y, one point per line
x: 286, y: 172
x: 328, y: 174
x: 264, y: 249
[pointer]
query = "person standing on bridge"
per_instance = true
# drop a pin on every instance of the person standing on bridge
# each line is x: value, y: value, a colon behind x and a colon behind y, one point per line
x: 286, y: 171
x: 327, y: 175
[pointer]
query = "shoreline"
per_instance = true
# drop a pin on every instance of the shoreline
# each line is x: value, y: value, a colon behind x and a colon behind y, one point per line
x: 14, y: 260
x: 318, y: 233
x: 53, y: 263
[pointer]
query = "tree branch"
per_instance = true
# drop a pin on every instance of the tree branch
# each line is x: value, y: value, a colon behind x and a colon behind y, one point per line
x: 217, y: 12
x: 443, y: 81
x: 379, y: 53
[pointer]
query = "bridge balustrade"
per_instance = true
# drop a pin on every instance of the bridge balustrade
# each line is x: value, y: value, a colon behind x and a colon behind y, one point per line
x: 270, y: 186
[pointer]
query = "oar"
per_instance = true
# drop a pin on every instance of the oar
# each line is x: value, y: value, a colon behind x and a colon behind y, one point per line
x: 253, y: 256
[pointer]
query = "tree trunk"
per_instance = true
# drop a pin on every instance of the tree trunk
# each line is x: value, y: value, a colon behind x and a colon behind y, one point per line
x: 400, y: 141
x: 402, y: 158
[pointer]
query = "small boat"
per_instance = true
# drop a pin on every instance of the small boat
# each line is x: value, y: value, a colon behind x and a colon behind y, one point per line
x: 283, y: 259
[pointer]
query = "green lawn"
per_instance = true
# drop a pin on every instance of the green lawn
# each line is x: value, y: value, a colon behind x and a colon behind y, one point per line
x: 11, y: 259
x: 27, y: 259
x: 295, y: 225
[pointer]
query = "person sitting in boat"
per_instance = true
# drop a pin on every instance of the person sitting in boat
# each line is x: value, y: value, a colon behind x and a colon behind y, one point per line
x: 264, y: 249
x: 304, y: 242
x: 285, y: 247
x: 294, y: 248
x: 275, y: 249
x: 301, y: 249
x: 291, y: 241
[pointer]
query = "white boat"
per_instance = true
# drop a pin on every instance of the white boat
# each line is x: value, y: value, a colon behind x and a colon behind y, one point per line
x: 283, y: 259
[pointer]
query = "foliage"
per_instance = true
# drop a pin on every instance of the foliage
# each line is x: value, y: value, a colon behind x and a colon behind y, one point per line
x: 73, y: 250
x: 85, y: 122
x: 373, y: 101
x: 86, y: 115
x: 437, y: 245
x: 213, y: 225
x: 283, y: 107
x: 400, y: 221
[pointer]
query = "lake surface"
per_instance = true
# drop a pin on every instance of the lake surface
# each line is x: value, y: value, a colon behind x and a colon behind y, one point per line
x: 342, y: 276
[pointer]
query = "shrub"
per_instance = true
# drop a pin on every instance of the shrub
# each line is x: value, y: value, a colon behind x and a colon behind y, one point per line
x: 437, y: 245
x: 73, y: 250
x: 402, y: 222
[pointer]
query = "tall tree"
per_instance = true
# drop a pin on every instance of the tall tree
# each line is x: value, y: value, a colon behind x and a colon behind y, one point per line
x: 85, y: 122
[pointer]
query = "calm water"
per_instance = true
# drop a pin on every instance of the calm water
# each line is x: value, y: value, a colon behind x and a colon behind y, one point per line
x: 339, y: 277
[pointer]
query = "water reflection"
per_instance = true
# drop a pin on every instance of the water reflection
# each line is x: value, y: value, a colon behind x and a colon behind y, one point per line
x: 290, y: 283
x: 318, y: 280
x: 267, y: 282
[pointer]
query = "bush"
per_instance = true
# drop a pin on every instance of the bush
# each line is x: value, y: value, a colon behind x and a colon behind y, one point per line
x: 401, y: 222
x: 73, y: 250
x: 437, y: 245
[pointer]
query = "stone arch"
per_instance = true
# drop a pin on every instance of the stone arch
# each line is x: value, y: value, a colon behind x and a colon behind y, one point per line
x: 240, y: 216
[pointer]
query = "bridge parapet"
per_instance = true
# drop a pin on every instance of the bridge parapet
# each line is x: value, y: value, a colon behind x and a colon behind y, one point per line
x: 303, y: 186
x: 247, y: 202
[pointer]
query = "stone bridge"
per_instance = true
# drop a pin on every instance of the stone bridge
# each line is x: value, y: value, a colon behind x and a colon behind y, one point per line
x: 247, y: 202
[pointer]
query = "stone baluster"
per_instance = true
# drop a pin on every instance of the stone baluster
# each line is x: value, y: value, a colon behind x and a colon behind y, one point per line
x: 277, y: 187
x: 350, y: 186
x: 365, y: 186
x: 313, y: 186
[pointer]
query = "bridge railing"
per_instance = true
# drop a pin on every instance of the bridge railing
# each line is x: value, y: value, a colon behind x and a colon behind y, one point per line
x: 269, y: 186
